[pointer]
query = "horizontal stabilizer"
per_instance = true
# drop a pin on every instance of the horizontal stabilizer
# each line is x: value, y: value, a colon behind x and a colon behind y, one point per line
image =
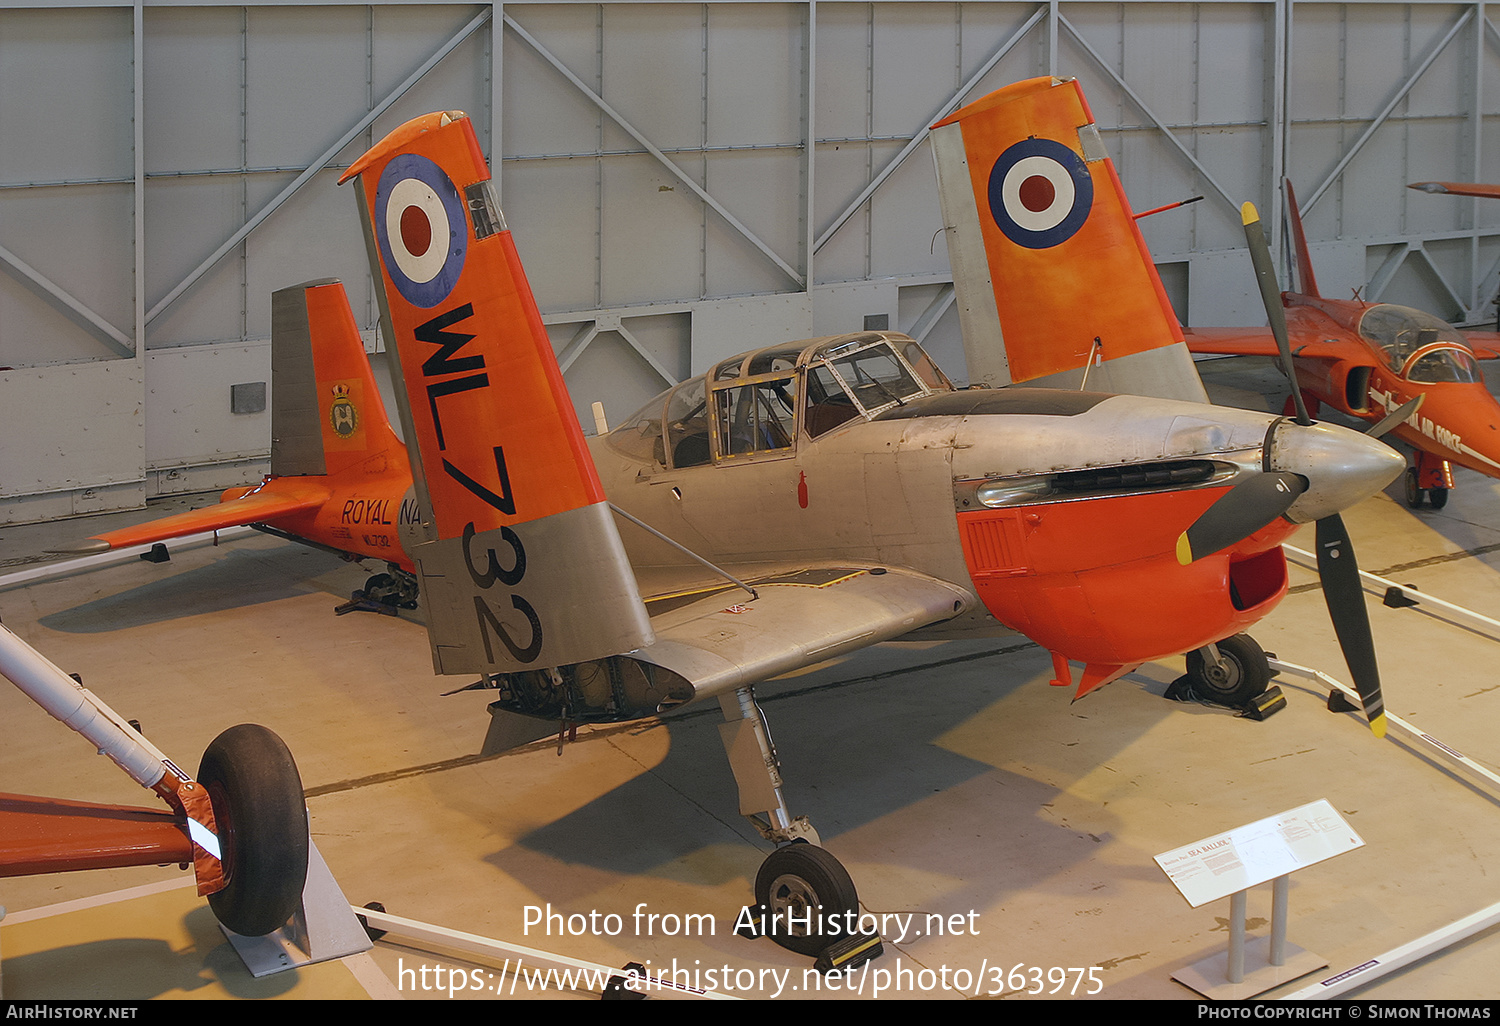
x: 265, y: 503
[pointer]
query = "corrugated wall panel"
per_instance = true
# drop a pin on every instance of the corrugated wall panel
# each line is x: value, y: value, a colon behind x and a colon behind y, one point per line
x: 237, y: 99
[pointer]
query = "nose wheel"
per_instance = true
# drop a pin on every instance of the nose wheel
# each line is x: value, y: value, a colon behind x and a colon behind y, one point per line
x: 1437, y: 498
x: 1231, y: 673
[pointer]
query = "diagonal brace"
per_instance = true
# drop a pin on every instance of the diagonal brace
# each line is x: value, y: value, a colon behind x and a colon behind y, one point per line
x: 677, y: 172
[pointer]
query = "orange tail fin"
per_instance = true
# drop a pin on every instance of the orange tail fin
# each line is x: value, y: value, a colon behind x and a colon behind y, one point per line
x: 326, y: 413
x: 1302, y: 273
x: 1051, y: 271
x: 521, y: 565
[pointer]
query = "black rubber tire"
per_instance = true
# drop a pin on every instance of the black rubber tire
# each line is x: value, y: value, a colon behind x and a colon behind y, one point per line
x: 798, y: 877
x: 1437, y: 498
x: 1414, y: 495
x: 262, y: 824
x: 1246, y: 675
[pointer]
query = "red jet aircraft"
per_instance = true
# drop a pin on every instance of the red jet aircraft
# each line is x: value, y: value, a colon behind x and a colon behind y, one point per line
x: 795, y: 503
x: 1367, y: 360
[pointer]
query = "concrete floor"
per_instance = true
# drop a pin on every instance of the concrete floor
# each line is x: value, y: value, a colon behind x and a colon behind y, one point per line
x: 948, y: 778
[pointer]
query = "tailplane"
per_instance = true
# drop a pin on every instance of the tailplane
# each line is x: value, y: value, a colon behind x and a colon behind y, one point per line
x: 520, y: 563
x: 328, y: 430
x: 1052, y: 275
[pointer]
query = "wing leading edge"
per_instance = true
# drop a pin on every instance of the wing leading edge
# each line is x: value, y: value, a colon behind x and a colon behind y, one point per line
x: 728, y: 640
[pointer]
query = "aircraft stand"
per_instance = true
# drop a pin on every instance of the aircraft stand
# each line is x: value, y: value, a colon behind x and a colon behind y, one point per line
x: 322, y: 928
x: 631, y: 982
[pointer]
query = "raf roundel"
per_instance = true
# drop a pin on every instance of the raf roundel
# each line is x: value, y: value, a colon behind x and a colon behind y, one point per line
x: 420, y: 225
x: 1040, y: 193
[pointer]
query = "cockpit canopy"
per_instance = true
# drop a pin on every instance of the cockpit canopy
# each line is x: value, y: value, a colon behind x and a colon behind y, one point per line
x: 1422, y: 348
x: 760, y: 403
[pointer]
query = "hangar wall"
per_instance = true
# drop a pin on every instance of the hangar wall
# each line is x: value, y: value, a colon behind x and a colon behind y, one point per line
x: 684, y: 180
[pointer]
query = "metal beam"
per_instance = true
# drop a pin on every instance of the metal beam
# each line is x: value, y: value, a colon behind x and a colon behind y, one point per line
x: 947, y: 108
x: 317, y: 165
x: 928, y: 318
x: 1380, y: 119
x: 574, y: 349
x: 1386, y: 271
x: 1150, y: 114
x: 677, y: 172
x: 645, y: 354
x: 96, y: 325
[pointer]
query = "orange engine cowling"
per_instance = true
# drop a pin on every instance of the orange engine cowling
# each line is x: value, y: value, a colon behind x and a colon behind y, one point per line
x: 1097, y: 580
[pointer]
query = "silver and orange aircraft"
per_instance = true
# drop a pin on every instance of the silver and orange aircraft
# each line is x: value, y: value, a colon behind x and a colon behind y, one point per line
x: 793, y: 504
x: 1367, y: 360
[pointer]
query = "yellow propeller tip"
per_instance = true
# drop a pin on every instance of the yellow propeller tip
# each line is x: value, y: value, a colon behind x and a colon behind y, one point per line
x: 1184, y: 549
x: 1248, y: 214
x: 1377, y: 725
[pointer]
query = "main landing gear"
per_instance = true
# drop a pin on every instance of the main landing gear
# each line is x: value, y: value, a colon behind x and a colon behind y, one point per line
x: 1233, y: 673
x: 805, y: 899
x: 386, y: 593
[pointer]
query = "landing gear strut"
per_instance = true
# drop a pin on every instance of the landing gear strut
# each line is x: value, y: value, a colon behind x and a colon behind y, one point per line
x: 805, y: 896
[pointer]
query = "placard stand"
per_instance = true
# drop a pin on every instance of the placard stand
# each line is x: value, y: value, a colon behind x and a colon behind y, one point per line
x: 1273, y: 961
x: 1228, y: 865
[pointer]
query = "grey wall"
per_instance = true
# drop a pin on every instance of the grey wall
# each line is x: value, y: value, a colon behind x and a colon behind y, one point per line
x: 684, y: 181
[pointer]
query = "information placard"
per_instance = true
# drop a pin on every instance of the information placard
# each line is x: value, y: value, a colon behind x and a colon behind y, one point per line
x: 1218, y: 866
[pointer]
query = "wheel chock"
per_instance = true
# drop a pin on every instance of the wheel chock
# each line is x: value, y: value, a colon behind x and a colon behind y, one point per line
x: 849, y: 952
x: 1264, y: 704
x: 1395, y: 598
x: 618, y: 988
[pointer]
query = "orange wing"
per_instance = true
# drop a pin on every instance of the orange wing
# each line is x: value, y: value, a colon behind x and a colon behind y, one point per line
x: 1458, y: 189
x: 1484, y: 344
x: 1231, y: 341
x: 273, y: 500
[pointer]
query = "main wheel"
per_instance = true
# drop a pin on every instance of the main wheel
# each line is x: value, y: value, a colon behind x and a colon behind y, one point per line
x: 810, y: 894
x: 1241, y: 674
x: 256, y: 793
x: 1414, y: 494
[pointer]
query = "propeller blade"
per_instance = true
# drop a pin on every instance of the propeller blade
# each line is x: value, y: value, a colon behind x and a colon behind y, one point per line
x: 1239, y: 513
x: 1396, y: 416
x: 1351, y: 620
x: 1270, y: 295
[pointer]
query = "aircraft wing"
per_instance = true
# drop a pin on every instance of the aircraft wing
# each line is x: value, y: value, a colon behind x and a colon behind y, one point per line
x: 724, y: 639
x: 252, y: 508
x: 1230, y: 341
x: 1485, y: 345
x: 1458, y: 188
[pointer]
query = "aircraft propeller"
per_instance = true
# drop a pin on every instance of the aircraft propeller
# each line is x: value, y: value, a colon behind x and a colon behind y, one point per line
x: 1337, y: 567
x: 1396, y: 416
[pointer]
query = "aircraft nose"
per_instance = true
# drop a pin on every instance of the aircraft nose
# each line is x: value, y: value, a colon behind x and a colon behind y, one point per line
x: 1342, y: 467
